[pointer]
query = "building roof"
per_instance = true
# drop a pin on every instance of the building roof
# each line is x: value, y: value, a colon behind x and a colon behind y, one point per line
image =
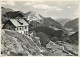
x: 50, y: 44
x: 19, y: 22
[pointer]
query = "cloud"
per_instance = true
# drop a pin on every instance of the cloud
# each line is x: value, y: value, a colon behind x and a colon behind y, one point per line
x: 15, y: 9
x: 28, y: 3
x: 11, y: 3
x: 69, y: 7
x: 76, y: 13
x: 42, y: 6
x: 47, y: 7
x: 37, y: 1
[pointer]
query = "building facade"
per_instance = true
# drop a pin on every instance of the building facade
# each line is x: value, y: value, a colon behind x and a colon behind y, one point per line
x: 19, y: 25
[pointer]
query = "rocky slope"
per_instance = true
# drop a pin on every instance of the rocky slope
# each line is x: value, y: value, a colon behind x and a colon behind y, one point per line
x: 39, y: 20
x: 63, y: 21
x: 72, y: 25
x: 32, y: 16
x: 9, y: 13
x: 16, y: 44
x: 3, y: 12
x: 74, y: 38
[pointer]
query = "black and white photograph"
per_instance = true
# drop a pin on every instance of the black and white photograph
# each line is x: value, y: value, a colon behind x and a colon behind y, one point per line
x: 40, y: 28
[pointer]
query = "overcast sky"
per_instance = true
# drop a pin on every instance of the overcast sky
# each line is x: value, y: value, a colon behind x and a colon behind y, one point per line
x: 54, y: 9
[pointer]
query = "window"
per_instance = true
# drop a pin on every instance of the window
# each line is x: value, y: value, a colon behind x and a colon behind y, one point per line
x: 17, y: 28
x: 24, y: 32
x: 20, y: 28
x: 25, y: 27
x: 9, y: 28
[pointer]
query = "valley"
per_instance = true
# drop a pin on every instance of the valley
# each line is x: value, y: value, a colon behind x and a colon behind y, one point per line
x: 44, y: 37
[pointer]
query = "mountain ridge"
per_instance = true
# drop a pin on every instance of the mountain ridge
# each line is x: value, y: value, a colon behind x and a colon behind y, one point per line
x: 31, y: 16
x: 72, y: 24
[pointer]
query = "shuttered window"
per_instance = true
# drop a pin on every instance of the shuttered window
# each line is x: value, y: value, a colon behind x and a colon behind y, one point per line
x: 20, y: 28
x: 25, y: 27
x: 16, y: 28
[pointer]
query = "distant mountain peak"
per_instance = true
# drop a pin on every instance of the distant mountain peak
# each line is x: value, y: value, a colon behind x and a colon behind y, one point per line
x: 31, y: 12
x: 32, y: 16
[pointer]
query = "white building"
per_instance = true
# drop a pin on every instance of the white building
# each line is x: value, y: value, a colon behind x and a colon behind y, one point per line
x: 19, y: 25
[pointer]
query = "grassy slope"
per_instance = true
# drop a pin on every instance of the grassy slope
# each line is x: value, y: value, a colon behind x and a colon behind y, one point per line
x: 17, y: 44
